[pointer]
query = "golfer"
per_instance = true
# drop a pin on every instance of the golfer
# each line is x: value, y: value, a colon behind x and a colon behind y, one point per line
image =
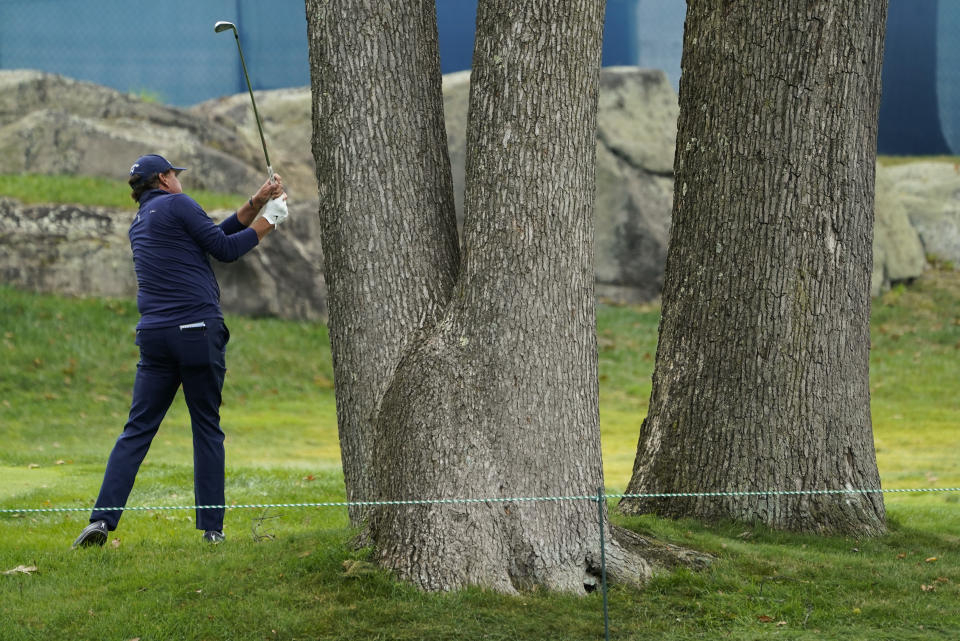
x: 181, y: 333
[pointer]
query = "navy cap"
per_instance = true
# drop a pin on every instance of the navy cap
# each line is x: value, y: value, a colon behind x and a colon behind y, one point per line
x: 152, y: 164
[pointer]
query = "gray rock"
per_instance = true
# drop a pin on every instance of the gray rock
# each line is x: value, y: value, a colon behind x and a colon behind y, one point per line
x: 287, y: 129
x: 50, y: 124
x: 898, y: 254
x: 456, y: 104
x: 83, y: 251
x: 66, y: 249
x: 637, y: 118
x: 930, y: 194
x: 284, y: 276
x: 54, y: 125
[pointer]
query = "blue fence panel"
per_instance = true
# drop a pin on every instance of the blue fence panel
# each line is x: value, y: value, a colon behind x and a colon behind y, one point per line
x: 909, y: 119
x: 274, y: 39
x: 169, y: 50
x: 659, y: 29
x: 456, y: 23
x: 125, y: 45
x: 948, y: 73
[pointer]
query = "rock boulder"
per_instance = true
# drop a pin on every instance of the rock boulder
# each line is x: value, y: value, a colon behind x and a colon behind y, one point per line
x: 930, y: 194
x: 54, y: 125
x: 50, y: 124
x: 85, y: 251
x: 898, y: 254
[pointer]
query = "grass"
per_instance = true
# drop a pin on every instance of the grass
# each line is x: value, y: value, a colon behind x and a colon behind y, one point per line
x: 282, y: 574
x: 34, y: 189
x: 894, y: 161
x: 65, y: 374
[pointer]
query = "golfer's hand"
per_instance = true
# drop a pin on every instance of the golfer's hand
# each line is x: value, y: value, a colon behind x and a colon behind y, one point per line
x: 276, y: 210
x: 268, y: 191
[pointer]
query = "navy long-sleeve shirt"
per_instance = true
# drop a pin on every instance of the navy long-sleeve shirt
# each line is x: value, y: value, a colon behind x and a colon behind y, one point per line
x: 171, y: 237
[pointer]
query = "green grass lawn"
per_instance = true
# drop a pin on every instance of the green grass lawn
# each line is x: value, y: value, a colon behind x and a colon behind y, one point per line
x: 65, y: 374
x: 89, y: 190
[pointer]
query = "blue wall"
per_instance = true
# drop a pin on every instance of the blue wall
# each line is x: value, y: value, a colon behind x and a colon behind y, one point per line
x: 947, y: 72
x: 909, y: 112
x: 168, y: 49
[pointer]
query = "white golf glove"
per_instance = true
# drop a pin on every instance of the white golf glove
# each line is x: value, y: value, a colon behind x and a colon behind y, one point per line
x: 276, y: 210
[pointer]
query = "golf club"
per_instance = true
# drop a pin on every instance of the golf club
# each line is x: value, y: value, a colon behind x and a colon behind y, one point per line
x: 223, y: 25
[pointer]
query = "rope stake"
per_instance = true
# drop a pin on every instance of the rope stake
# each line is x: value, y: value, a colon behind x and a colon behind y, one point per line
x: 601, y: 499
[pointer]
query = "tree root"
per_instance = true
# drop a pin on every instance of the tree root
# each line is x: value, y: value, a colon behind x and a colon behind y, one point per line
x: 631, y: 559
x: 661, y: 555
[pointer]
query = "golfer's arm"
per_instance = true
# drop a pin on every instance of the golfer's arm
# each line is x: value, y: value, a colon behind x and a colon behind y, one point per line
x: 247, y: 212
x: 262, y: 227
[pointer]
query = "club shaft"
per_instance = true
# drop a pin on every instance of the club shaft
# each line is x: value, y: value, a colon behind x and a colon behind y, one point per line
x: 256, y: 114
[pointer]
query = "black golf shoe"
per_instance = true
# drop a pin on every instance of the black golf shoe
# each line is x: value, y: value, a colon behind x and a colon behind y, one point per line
x: 93, y: 534
x: 214, y: 536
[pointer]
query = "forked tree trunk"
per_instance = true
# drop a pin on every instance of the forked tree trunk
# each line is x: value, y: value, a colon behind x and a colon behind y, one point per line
x: 761, y: 376
x: 386, y: 199
x: 500, y: 398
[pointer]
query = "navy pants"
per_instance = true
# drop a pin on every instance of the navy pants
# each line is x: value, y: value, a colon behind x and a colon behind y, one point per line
x: 170, y: 357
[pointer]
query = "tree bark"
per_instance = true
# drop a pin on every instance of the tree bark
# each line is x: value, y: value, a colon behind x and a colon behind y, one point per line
x: 761, y: 375
x: 386, y: 200
x: 499, y: 399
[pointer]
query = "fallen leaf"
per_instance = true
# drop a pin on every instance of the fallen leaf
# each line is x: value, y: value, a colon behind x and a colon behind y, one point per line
x: 931, y: 559
x: 781, y: 623
x: 304, y: 555
x: 856, y: 610
x: 134, y: 639
x: 941, y: 579
x: 61, y: 462
x: 115, y: 543
x: 22, y: 569
x: 928, y: 588
x: 309, y: 477
x: 901, y: 556
x: 763, y: 618
x: 33, y: 466
x: 354, y: 568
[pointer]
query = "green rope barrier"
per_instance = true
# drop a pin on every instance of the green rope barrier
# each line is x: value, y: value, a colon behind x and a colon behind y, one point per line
x: 516, y: 499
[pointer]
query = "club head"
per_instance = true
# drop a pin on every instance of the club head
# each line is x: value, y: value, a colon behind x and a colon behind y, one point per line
x: 223, y: 25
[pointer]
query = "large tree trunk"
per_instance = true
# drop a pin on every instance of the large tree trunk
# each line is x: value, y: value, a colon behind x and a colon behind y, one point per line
x: 500, y: 398
x: 386, y: 199
x: 761, y: 377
